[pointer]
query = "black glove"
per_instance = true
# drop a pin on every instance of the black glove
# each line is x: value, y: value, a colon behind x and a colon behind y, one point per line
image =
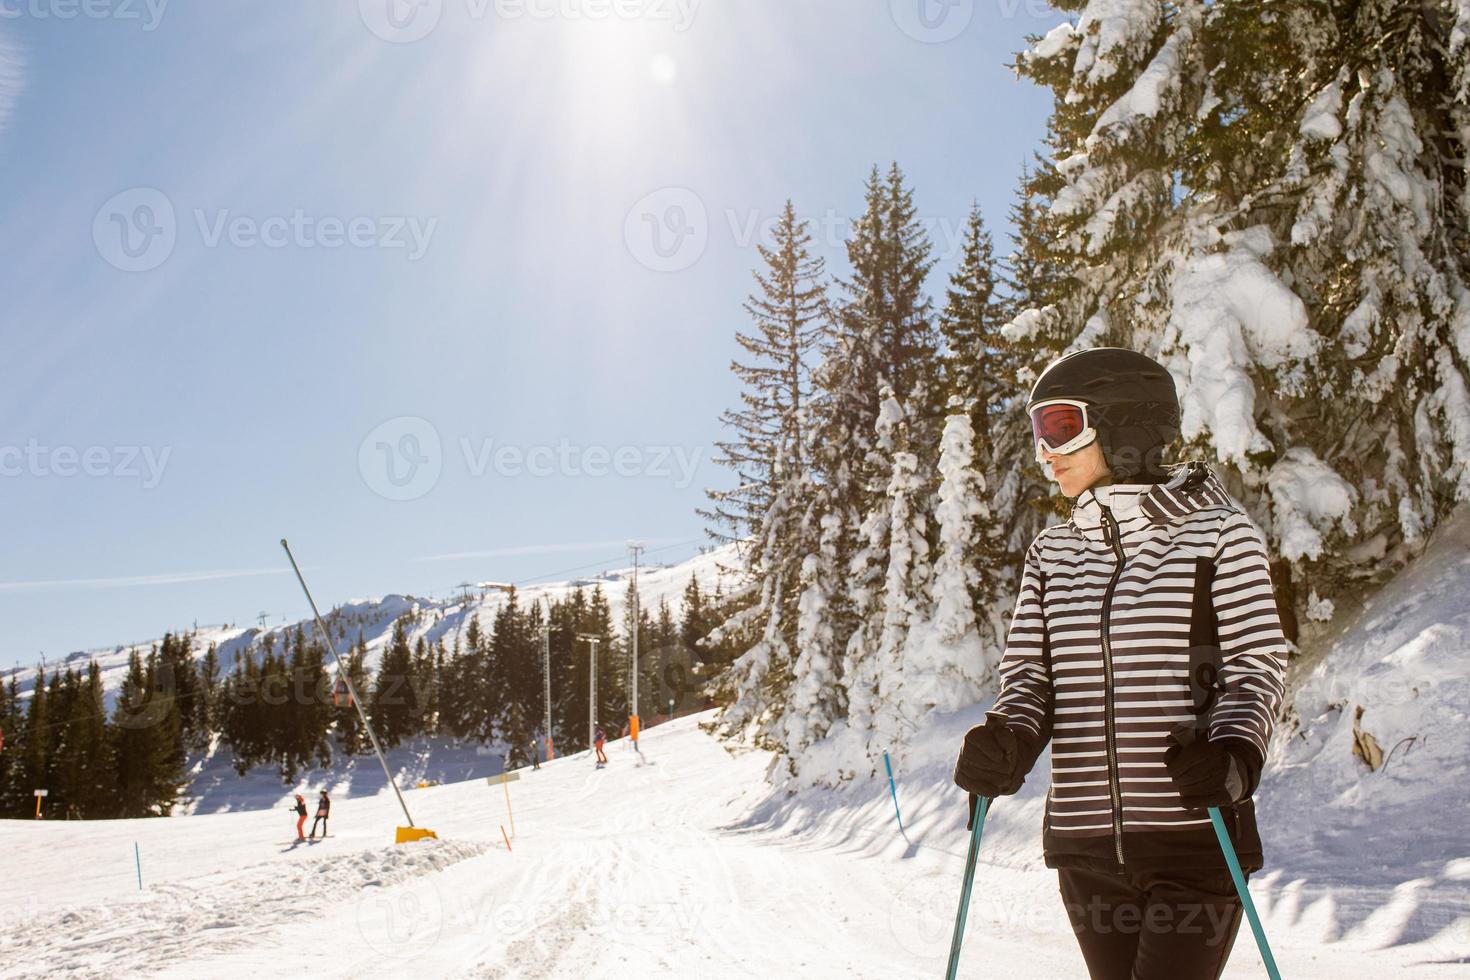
x: 1210, y: 772
x: 991, y: 759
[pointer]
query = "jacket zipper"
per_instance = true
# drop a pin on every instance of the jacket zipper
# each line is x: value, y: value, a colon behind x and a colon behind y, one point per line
x: 1110, y: 532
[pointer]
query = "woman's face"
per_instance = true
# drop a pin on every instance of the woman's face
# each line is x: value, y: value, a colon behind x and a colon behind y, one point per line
x: 1079, y: 471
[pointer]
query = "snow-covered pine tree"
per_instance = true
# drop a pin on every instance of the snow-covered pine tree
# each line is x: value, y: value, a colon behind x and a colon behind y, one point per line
x: 1272, y: 202
x: 881, y: 368
x: 950, y: 659
x: 816, y: 699
x: 902, y: 688
x: 979, y: 367
x: 1341, y: 133
x: 765, y: 511
x: 1036, y: 335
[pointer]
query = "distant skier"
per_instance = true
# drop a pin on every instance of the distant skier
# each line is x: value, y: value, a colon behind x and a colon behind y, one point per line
x: 1147, y: 648
x: 598, y: 741
x: 323, y: 810
x: 300, y: 810
x: 535, y: 755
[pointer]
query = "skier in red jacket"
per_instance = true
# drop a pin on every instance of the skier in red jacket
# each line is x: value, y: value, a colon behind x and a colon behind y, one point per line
x: 300, y: 810
x: 598, y: 739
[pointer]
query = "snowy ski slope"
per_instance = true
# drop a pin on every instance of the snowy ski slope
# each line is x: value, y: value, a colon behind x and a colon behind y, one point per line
x: 691, y: 864
x: 678, y: 867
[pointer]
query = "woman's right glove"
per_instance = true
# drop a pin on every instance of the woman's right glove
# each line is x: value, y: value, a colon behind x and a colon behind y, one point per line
x: 994, y: 759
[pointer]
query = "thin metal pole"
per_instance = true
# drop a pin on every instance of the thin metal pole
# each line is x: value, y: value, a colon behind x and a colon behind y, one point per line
x: 636, y: 548
x: 546, y: 676
x: 351, y: 688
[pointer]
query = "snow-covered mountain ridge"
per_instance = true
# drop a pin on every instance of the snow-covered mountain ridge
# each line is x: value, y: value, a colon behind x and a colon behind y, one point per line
x: 374, y: 617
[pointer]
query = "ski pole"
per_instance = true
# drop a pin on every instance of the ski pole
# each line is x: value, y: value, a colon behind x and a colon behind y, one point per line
x: 1244, y: 892
x: 976, y: 827
x: 893, y: 789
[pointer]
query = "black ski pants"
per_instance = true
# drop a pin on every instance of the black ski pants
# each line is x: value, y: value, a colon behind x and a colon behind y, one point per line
x: 1152, y: 925
x: 321, y: 818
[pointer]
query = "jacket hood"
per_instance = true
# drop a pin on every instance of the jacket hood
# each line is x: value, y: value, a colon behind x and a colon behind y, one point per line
x: 1192, y: 487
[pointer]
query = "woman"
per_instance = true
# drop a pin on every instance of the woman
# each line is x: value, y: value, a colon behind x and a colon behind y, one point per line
x: 1146, y: 647
x: 323, y: 811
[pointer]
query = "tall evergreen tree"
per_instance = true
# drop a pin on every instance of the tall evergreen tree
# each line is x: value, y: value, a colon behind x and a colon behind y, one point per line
x: 393, y: 705
x: 767, y: 510
x: 86, y: 762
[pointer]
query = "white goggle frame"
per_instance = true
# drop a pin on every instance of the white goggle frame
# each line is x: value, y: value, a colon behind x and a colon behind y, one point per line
x: 1084, y: 438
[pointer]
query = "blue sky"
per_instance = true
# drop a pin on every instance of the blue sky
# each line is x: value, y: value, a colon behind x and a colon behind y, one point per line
x: 443, y: 295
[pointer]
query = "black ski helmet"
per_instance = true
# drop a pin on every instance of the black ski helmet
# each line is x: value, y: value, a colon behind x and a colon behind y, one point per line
x: 1131, y: 401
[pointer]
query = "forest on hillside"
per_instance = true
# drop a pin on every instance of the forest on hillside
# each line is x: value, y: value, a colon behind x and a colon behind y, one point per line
x: 284, y: 704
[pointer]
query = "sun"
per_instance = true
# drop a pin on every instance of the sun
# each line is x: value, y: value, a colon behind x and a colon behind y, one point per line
x: 663, y: 68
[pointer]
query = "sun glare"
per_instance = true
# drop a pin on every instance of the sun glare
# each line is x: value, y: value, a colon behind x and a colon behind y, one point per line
x: 663, y: 69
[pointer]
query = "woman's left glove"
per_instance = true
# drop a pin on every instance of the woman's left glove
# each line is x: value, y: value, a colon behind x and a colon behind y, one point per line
x: 1210, y: 772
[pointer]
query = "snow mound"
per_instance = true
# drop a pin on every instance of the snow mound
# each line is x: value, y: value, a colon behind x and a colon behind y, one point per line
x: 178, y: 921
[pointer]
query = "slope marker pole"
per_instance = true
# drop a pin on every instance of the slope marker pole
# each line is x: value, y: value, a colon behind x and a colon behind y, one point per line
x: 893, y: 789
x: 508, y: 810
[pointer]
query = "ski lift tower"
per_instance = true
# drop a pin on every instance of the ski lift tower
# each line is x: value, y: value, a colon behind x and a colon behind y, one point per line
x: 546, y: 677
x: 592, y: 639
x: 636, y: 547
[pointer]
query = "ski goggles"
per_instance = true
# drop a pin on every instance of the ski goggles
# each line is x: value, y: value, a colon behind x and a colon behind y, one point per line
x: 1061, y: 426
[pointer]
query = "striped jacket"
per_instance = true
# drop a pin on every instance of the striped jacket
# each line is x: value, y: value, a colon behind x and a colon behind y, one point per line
x: 1150, y: 608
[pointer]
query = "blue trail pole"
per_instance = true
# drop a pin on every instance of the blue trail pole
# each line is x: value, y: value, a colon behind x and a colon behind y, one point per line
x: 138, y: 859
x: 1245, y: 895
x: 977, y: 826
x: 893, y: 789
